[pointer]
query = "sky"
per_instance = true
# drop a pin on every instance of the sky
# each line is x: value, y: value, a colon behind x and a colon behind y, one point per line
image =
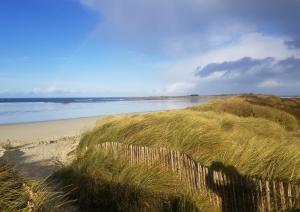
x: 59, y: 48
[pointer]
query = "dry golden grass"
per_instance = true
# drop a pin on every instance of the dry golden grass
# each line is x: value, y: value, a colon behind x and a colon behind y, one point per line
x: 17, y: 194
x: 242, y: 108
x: 263, y: 143
x: 254, y: 138
x: 290, y: 105
x: 106, y: 183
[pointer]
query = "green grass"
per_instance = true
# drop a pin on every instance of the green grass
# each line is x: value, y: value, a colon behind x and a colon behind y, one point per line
x: 17, y: 194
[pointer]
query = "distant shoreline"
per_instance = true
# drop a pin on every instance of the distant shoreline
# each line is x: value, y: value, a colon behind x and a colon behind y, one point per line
x: 51, y: 129
x: 46, y: 130
x: 23, y: 111
x: 66, y: 100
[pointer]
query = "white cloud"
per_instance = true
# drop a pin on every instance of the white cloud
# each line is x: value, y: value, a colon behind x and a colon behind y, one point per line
x: 51, y: 90
x: 199, y: 32
x: 253, y: 45
x: 180, y: 88
x: 270, y: 83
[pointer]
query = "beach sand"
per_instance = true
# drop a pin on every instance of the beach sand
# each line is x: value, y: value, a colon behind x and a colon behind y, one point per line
x: 38, y: 149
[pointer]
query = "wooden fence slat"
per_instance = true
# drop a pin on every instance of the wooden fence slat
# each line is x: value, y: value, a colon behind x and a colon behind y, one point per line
x: 268, y: 195
x: 282, y: 196
x: 290, y: 200
x: 217, y: 188
x: 230, y: 181
x: 223, y: 190
x: 210, y: 194
x: 199, y: 178
x: 297, y: 195
x: 261, y: 195
x: 275, y: 199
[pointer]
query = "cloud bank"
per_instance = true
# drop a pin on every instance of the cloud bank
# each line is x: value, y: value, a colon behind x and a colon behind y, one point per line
x: 216, y: 46
x: 259, y: 75
x: 255, y: 63
x: 170, y: 23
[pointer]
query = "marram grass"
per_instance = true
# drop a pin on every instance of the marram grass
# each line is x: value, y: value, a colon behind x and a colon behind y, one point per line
x: 20, y: 195
x: 254, y: 137
x: 259, y: 144
x: 106, y: 183
x: 238, y: 106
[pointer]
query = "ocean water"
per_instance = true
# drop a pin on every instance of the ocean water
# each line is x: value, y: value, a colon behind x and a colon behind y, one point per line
x: 45, y: 109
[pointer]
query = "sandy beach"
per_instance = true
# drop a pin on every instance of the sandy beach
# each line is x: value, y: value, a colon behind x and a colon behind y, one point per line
x: 38, y: 149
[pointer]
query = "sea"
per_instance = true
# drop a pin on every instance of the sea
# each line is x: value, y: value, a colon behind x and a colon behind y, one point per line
x: 27, y: 110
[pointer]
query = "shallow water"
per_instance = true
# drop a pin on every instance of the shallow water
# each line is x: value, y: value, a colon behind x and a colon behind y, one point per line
x: 33, y: 110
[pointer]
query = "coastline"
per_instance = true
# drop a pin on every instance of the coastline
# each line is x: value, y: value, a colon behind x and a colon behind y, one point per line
x: 36, y: 131
x: 38, y: 149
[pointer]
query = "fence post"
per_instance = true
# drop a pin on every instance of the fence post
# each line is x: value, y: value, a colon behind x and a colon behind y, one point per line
x: 275, y: 196
x: 297, y: 195
x: 261, y: 194
x: 282, y: 196
x: 199, y: 176
x: 268, y: 195
x: 290, y: 195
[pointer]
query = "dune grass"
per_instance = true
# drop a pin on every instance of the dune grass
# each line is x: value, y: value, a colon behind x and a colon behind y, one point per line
x: 255, y: 138
x: 106, y: 183
x: 17, y: 194
x: 264, y: 143
x: 241, y: 107
x: 289, y: 105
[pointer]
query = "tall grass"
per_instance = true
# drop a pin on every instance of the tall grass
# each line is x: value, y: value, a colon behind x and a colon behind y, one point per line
x: 289, y: 105
x: 254, y: 138
x: 256, y: 145
x: 106, y: 183
x: 18, y: 194
x: 238, y: 106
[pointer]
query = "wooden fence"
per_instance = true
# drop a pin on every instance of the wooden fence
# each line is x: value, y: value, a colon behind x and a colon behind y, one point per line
x: 225, y: 187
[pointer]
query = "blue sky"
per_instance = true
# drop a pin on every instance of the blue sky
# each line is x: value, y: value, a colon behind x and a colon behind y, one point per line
x: 148, y: 47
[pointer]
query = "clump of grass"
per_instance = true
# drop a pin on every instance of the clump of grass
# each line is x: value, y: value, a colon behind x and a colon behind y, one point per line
x: 108, y: 183
x: 7, y: 145
x: 238, y: 106
x: 289, y: 105
x: 12, y: 194
x: 17, y: 194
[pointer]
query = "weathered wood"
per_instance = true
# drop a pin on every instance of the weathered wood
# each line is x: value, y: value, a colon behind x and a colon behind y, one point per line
x: 268, y: 195
x: 290, y: 200
x: 275, y: 199
x: 199, y: 178
x: 242, y: 194
x: 223, y: 190
x: 217, y: 187
x: 210, y: 194
x: 282, y: 196
x: 297, y: 195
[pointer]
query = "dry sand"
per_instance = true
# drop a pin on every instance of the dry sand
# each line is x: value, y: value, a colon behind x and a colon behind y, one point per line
x: 38, y: 149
